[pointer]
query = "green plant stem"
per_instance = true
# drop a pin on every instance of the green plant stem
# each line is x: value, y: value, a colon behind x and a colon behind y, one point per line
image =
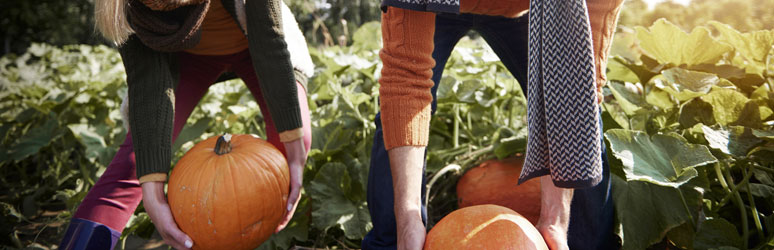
x: 687, y: 209
x: 742, y: 211
x: 731, y: 190
x: 456, y: 136
x: 753, y: 208
x: 771, y: 171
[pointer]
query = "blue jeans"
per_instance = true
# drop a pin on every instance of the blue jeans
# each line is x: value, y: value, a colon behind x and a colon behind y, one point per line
x: 591, y: 215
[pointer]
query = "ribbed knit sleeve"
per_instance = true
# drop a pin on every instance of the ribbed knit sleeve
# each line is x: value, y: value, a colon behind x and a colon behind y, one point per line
x: 405, y: 96
x: 152, y: 78
x: 271, y: 60
x: 603, y: 15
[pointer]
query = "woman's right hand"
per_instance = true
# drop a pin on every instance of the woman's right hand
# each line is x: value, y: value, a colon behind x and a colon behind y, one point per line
x: 156, y: 206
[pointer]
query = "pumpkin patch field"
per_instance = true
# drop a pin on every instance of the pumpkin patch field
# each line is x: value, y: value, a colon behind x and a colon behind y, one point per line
x: 688, y: 116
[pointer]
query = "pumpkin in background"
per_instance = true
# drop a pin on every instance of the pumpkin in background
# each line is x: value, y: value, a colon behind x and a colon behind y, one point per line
x: 484, y: 227
x: 496, y: 182
x: 229, y: 192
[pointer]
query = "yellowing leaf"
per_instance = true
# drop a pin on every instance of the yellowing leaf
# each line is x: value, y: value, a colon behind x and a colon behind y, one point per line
x: 667, y: 43
x: 752, y: 45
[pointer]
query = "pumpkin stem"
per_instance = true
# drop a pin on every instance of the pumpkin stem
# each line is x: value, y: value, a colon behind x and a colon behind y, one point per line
x: 223, y: 145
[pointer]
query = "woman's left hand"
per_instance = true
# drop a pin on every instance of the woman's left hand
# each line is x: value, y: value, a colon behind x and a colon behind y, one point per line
x: 296, y: 156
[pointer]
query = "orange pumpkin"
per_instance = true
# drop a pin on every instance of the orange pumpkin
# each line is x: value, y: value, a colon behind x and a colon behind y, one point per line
x: 484, y: 227
x: 496, y: 182
x: 229, y: 192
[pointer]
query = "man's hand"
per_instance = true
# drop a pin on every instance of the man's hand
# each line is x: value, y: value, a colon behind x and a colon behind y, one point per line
x: 156, y: 206
x: 554, y: 214
x: 296, y: 160
x: 406, y: 168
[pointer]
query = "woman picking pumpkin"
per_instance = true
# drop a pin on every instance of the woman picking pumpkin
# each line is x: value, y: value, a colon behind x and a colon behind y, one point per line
x: 173, y: 50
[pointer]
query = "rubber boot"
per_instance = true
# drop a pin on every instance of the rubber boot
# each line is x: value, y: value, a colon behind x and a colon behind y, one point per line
x: 88, y: 235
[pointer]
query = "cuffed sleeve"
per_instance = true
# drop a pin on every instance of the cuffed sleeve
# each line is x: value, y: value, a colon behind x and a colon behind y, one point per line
x: 162, y: 177
x: 151, y: 77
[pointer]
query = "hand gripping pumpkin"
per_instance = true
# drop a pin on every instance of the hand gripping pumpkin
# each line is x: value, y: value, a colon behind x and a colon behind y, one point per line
x: 229, y: 192
x: 484, y: 227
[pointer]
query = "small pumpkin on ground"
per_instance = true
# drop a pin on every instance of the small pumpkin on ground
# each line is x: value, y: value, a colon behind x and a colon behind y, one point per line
x: 496, y: 182
x: 484, y: 227
x: 229, y: 192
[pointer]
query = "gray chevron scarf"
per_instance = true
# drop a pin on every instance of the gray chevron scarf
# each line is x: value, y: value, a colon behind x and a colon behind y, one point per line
x: 562, y: 113
x: 564, y: 133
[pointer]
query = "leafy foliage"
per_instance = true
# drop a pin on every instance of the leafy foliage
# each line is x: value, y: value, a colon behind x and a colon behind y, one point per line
x: 688, y: 109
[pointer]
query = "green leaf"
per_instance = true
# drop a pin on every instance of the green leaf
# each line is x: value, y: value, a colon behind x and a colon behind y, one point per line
x: 35, y: 139
x: 330, y: 205
x: 466, y: 91
x: 659, y: 98
x: 96, y: 148
x: 767, y: 134
x: 663, y: 159
x: 717, y: 232
x: 191, y: 132
x: 754, y: 45
x: 699, y: 82
x: 368, y: 36
x: 628, y: 97
x: 510, y: 146
x: 647, y: 211
x: 667, y: 43
x: 727, y: 105
x: 696, y: 111
x: 733, y: 140
x: 617, y: 71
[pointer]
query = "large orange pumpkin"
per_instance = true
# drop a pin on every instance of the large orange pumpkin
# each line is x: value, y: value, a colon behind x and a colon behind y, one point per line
x: 496, y: 182
x: 229, y: 192
x: 484, y: 227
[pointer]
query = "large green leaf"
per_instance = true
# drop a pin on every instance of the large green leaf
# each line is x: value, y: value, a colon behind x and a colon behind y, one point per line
x: 96, y: 148
x: 647, y: 211
x: 696, y: 111
x: 35, y: 139
x: 681, y: 79
x: 628, y: 96
x: 717, y: 232
x: 729, y: 107
x: 733, y: 140
x: 663, y: 159
x: 330, y: 205
x: 754, y: 45
x: 667, y: 43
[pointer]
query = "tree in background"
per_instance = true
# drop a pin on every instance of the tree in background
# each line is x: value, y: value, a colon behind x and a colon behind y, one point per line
x: 57, y: 22
x: 329, y: 22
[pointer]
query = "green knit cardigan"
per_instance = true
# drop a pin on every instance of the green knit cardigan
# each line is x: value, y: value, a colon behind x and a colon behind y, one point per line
x: 152, y: 77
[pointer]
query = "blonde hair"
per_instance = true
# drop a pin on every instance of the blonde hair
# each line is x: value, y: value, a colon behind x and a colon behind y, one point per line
x: 110, y: 19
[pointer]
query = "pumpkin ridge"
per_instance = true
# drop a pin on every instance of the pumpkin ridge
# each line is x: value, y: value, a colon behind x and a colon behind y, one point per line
x: 256, y: 160
x: 232, y: 164
x: 198, y: 203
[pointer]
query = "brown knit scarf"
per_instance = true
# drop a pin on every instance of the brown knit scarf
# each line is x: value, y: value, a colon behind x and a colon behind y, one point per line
x: 168, y: 31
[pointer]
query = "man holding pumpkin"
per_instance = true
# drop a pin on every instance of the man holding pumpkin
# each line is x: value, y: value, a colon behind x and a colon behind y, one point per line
x: 415, y: 38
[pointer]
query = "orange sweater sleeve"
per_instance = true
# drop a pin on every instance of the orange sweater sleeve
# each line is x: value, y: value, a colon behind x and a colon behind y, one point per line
x: 407, y: 58
x: 603, y: 15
